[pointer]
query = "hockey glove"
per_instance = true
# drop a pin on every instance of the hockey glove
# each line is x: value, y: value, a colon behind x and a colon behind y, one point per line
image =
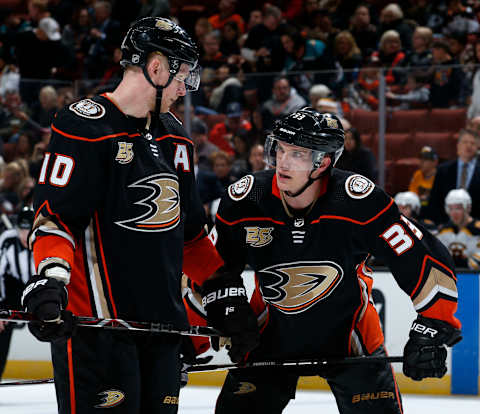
x: 46, y: 298
x: 425, y: 353
x: 228, y: 310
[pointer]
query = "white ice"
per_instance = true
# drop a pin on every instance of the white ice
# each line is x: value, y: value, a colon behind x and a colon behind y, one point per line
x: 40, y: 399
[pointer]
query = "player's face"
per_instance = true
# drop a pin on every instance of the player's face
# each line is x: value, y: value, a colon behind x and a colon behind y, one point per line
x: 457, y: 213
x: 406, y: 210
x: 176, y: 87
x: 294, y: 165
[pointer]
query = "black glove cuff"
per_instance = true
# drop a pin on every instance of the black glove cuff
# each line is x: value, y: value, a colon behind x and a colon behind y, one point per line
x: 434, y: 332
x: 220, y: 288
x: 42, y: 290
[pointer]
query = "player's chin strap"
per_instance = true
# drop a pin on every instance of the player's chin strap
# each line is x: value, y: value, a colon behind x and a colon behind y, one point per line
x: 309, y: 182
x: 159, y: 88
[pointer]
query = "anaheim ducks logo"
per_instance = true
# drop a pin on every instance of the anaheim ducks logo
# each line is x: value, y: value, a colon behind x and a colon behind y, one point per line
x: 110, y: 398
x: 163, y: 204
x: 298, y: 286
x: 245, y: 388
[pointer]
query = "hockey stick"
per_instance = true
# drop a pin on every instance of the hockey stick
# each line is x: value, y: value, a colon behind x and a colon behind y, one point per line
x: 307, y: 363
x: 116, y: 324
x: 27, y: 382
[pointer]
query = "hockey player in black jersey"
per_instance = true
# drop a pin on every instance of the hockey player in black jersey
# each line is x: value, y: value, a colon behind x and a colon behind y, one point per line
x: 118, y: 218
x: 306, y: 228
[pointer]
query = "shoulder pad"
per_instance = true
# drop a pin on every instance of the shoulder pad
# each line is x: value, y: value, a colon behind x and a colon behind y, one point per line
x: 240, y: 189
x: 357, y: 186
x: 88, y: 108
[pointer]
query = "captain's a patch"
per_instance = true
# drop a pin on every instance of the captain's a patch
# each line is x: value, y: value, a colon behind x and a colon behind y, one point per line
x: 358, y: 186
x: 240, y: 189
x: 86, y: 108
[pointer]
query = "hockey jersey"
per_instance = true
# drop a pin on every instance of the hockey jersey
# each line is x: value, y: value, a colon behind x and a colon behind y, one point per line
x: 118, y: 203
x: 310, y: 268
x: 463, y: 243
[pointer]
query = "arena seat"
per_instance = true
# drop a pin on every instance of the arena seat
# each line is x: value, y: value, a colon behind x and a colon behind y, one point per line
x: 396, y: 146
x: 403, y: 172
x: 364, y: 121
x: 445, y: 120
x: 443, y: 143
x: 407, y: 121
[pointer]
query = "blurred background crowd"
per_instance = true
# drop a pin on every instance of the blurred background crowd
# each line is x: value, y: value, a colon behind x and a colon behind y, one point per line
x: 262, y: 60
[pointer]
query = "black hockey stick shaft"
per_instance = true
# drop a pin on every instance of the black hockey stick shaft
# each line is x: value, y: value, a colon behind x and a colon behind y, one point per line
x: 116, y: 324
x: 307, y: 363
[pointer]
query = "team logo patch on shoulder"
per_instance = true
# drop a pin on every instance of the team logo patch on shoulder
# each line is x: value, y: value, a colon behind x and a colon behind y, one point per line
x: 358, y: 186
x: 240, y: 189
x: 86, y: 108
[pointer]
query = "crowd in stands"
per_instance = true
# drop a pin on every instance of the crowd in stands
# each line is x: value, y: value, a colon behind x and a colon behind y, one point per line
x: 260, y: 60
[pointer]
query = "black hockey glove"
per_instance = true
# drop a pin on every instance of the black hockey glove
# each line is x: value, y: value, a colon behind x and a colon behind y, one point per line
x: 46, y: 298
x: 225, y: 301
x: 425, y: 353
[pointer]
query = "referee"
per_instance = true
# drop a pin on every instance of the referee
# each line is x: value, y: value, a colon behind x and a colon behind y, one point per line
x: 16, y: 267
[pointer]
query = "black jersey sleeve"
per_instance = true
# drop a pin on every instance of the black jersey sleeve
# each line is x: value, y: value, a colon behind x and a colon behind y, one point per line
x: 71, y: 183
x: 419, y: 262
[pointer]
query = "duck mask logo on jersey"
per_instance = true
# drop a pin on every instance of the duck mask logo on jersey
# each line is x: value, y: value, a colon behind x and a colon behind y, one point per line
x: 162, y: 205
x: 110, y: 398
x: 296, y: 287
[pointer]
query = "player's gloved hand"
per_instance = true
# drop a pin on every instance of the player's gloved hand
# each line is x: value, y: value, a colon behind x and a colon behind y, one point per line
x: 425, y: 353
x: 46, y: 298
x: 225, y: 301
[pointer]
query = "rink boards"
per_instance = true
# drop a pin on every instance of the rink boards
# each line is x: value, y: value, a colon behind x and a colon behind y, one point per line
x: 29, y: 358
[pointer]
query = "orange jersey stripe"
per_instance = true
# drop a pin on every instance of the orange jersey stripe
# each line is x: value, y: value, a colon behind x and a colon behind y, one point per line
x: 52, y: 246
x: 174, y: 136
x: 444, y: 310
x: 232, y: 223
x: 104, y: 138
x: 422, y: 272
x: 51, y: 213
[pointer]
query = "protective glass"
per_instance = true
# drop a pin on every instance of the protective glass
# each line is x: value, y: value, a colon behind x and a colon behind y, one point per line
x: 292, y: 157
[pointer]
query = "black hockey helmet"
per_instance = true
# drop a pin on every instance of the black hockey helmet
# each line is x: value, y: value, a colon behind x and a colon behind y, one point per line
x: 157, y: 34
x: 25, y: 218
x: 320, y: 132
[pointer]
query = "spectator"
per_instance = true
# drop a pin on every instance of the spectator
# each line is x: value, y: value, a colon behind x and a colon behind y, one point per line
x: 212, y: 57
x: 101, y: 41
x: 154, y: 8
x: 46, y: 108
x: 364, y: 93
x: 391, y: 18
x: 208, y: 185
x: 348, y: 55
x: 463, y: 172
x: 322, y: 26
x: 356, y: 157
x: 12, y: 175
x: 13, y: 116
x: 447, y: 79
x: 363, y: 31
x: 255, y: 17
x: 422, y: 179
x: 391, y: 57
x: 461, y: 234
x: 227, y: 14
x: 222, y: 133
x: 230, y: 36
x: 9, y: 76
x: 74, y: 39
x: 317, y: 92
x: 241, y: 146
x: 408, y: 203
x: 263, y: 45
x: 474, y: 107
x: 284, y: 101
x: 222, y: 167
x: 459, y: 18
x: 305, y: 55
x: 202, y: 28
x: 256, y: 159
x: 327, y: 105
x: 229, y: 90
x: 203, y: 147
x: 412, y: 95
x: 64, y: 96
x: 419, y: 60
